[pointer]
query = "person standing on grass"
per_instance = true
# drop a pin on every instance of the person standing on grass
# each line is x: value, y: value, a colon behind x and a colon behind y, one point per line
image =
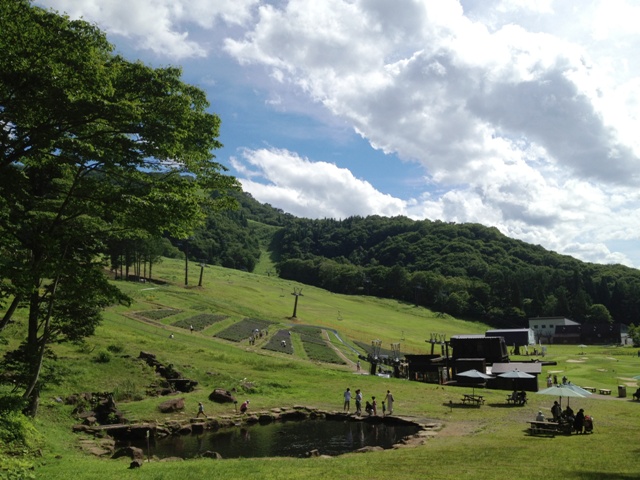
x: 578, y: 423
x: 358, y: 402
x: 389, y: 399
x: 244, y: 407
x: 347, y: 400
x: 374, y: 406
x: 201, y: 410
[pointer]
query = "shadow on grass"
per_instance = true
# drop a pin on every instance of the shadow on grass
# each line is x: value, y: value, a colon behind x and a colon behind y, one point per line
x: 583, y: 475
x: 461, y: 405
x: 504, y: 405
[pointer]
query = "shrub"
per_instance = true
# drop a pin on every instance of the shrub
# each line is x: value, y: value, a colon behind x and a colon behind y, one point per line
x: 115, y: 348
x: 12, y: 468
x: 102, y: 357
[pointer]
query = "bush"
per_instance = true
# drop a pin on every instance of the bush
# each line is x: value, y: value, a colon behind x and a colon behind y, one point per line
x: 115, y: 348
x: 16, y: 469
x: 102, y: 357
x: 17, y: 433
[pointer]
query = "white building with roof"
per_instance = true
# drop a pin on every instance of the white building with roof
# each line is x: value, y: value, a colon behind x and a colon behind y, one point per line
x: 544, y: 328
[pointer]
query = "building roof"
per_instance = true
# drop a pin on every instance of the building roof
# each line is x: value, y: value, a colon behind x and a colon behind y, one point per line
x: 563, y: 320
x: 534, y: 368
x: 508, y: 330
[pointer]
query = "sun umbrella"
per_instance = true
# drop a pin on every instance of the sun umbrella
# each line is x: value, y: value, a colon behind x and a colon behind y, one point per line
x: 473, y: 373
x: 578, y: 389
x: 561, y: 391
x: 515, y: 375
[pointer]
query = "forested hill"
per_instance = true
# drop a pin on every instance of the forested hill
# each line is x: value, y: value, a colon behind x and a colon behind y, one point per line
x: 467, y: 270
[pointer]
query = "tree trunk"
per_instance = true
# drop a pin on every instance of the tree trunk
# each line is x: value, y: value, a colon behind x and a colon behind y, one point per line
x: 7, y: 316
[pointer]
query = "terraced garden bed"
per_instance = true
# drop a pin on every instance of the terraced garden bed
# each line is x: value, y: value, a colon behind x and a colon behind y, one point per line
x: 243, y: 329
x: 200, y: 322
x: 275, y: 342
x: 158, y: 314
x: 316, y: 346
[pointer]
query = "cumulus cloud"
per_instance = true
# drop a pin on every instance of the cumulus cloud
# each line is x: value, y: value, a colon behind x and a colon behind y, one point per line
x: 523, y: 115
x: 311, y: 189
x: 161, y: 26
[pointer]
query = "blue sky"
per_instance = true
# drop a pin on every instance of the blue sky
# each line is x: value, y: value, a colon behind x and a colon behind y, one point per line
x: 517, y: 114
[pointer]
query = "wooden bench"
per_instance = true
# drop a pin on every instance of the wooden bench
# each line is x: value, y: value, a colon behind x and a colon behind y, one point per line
x: 590, y: 389
x: 604, y: 391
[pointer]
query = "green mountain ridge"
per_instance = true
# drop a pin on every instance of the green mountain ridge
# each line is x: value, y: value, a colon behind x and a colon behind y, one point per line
x: 467, y: 270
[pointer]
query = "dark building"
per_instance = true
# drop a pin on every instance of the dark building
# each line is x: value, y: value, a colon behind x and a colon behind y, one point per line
x: 491, y: 349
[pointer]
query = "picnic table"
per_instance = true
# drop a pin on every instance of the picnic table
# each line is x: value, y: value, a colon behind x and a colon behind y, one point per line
x: 549, y: 428
x: 518, y: 399
x: 473, y: 399
x: 605, y: 391
x: 590, y: 389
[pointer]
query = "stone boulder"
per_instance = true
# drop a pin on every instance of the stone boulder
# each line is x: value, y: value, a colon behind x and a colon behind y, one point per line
x: 134, y: 453
x: 173, y: 405
x: 220, y: 395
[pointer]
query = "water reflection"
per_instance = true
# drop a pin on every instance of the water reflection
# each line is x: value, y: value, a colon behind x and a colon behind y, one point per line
x: 283, y: 439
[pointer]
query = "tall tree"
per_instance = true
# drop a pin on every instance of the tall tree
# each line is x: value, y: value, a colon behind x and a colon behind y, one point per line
x: 91, y: 145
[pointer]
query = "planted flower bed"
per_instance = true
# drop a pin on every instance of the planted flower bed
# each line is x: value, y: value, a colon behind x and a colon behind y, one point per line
x: 158, y: 314
x: 200, y: 322
x: 276, y: 344
x: 243, y: 329
x: 316, y: 347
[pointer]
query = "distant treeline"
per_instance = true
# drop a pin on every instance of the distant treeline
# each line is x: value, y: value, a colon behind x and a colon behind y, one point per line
x: 466, y: 270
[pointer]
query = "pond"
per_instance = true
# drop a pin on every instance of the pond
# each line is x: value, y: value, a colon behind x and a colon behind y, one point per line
x: 282, y: 439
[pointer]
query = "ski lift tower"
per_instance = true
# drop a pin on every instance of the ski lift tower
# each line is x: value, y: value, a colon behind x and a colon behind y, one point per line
x: 395, y: 361
x: 374, y: 356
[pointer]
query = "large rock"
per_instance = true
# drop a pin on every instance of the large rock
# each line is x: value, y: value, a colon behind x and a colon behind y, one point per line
x: 134, y: 453
x: 219, y: 395
x: 173, y: 405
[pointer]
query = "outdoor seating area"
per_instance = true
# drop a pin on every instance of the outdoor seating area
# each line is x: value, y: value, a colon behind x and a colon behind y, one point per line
x: 473, y: 399
x: 549, y: 428
x: 517, y: 398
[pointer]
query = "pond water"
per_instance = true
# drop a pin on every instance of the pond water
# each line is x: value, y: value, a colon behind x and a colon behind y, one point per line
x: 282, y: 439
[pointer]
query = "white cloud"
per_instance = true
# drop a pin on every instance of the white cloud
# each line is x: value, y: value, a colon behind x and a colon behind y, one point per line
x: 160, y: 26
x: 311, y: 189
x: 524, y: 114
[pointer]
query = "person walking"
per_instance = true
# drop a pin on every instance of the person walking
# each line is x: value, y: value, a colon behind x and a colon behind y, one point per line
x: 201, y: 410
x: 389, y: 399
x: 374, y: 406
x: 347, y: 400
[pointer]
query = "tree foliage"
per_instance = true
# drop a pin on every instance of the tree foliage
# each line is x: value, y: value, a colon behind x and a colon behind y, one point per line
x: 94, y: 149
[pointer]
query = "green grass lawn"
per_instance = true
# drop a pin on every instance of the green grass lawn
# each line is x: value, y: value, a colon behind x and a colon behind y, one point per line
x: 476, y: 443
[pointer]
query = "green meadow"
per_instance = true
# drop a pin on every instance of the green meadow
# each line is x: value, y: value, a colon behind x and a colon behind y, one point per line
x: 475, y: 443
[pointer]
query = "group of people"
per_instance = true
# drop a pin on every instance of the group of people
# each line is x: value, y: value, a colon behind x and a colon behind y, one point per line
x: 551, y: 381
x: 371, y: 407
x: 580, y: 422
x: 518, y: 398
